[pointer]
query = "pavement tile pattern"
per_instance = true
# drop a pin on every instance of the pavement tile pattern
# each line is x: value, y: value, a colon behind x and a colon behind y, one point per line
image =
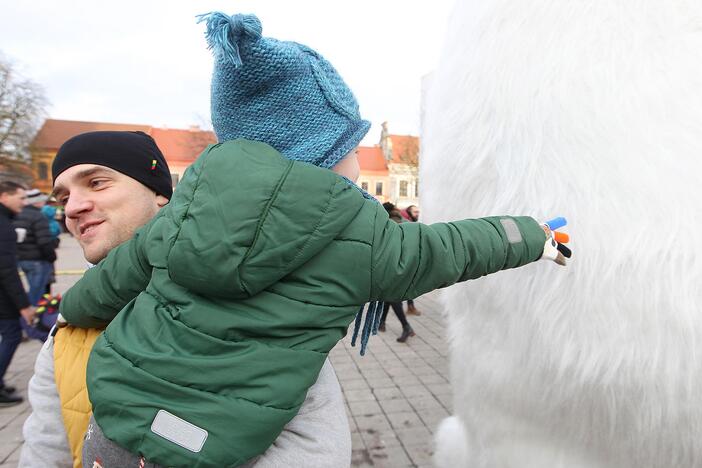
x: 397, y: 393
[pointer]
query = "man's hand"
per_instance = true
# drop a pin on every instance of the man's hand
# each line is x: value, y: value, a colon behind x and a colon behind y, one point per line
x: 554, y: 248
x: 28, y: 313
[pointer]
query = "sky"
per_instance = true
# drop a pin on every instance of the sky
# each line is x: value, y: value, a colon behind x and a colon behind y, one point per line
x: 147, y: 62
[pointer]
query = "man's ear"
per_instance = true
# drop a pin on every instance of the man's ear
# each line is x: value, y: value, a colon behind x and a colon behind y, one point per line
x: 161, y: 201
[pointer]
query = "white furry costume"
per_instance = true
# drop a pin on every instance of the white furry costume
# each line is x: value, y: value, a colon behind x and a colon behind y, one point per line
x: 591, y: 110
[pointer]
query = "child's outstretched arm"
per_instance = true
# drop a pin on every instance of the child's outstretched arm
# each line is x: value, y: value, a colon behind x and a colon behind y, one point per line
x: 410, y: 259
x: 110, y: 285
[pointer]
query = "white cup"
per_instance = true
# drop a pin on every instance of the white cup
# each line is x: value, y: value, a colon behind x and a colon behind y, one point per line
x: 21, y: 234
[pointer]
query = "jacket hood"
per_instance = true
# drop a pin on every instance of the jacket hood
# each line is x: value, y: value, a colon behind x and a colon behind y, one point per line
x: 246, y: 217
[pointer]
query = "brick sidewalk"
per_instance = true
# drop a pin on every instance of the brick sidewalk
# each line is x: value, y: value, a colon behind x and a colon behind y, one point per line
x: 395, y: 395
x: 12, y: 418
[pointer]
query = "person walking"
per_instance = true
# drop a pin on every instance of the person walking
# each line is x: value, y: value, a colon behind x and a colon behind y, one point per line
x: 13, y: 299
x: 49, y: 210
x: 412, y: 215
x: 37, y: 252
x: 407, y: 331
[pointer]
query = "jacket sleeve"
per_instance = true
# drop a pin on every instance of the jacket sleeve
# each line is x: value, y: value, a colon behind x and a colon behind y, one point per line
x: 44, y: 240
x: 9, y: 277
x: 110, y: 285
x: 410, y: 259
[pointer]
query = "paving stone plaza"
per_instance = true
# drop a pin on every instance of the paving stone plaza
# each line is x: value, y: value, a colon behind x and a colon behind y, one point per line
x: 395, y: 395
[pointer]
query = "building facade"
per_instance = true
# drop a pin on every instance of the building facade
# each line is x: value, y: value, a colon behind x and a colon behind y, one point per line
x: 388, y: 169
x: 180, y: 147
x: 401, y: 154
x: 374, y: 177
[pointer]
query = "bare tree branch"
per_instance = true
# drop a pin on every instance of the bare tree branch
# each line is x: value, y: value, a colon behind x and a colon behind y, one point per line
x: 22, y: 109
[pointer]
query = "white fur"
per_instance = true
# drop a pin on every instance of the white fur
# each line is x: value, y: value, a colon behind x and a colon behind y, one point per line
x: 451, y: 443
x: 590, y: 110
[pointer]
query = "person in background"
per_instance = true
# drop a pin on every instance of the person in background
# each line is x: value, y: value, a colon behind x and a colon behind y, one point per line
x: 13, y: 299
x: 412, y: 214
x: 37, y: 252
x: 407, y: 331
x: 49, y: 210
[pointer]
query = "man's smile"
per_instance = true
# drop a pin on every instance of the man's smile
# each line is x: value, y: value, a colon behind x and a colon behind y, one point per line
x: 87, y: 228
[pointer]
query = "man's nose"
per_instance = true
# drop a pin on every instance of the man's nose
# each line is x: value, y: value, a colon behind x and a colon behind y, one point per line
x: 77, y: 204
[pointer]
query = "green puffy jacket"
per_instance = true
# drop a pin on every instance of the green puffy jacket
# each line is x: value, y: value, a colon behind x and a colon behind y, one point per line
x: 223, y: 308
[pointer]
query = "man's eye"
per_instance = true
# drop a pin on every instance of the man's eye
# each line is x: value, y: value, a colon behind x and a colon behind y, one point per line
x: 95, y: 183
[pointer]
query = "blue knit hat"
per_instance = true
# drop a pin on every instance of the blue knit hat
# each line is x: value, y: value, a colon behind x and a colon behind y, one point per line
x: 280, y: 93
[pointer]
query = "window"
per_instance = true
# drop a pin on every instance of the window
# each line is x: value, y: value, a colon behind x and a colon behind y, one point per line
x: 364, y: 186
x: 403, y: 188
x: 416, y: 189
x: 174, y: 179
x: 378, y: 188
x: 43, y: 170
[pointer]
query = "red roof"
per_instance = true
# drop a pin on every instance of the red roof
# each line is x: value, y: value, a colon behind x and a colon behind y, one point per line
x: 371, y: 159
x: 405, y: 149
x: 176, y: 145
x: 182, y: 145
x: 54, y: 132
x: 185, y: 146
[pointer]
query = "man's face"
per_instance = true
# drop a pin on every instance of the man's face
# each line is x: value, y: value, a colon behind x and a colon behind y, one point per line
x: 103, y: 207
x: 413, y: 213
x: 13, y: 201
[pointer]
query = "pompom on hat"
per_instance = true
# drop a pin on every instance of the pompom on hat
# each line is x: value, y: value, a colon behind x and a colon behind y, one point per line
x: 280, y: 93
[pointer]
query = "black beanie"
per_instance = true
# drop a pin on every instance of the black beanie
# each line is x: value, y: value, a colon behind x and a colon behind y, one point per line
x: 134, y: 154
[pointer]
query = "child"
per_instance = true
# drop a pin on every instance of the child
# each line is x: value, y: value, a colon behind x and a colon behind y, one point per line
x: 257, y: 266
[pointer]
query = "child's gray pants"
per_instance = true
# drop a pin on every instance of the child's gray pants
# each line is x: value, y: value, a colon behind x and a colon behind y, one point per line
x: 101, y: 452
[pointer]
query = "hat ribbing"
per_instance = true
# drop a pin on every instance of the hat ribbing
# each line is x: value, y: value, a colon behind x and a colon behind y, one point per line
x: 131, y: 153
x: 280, y: 93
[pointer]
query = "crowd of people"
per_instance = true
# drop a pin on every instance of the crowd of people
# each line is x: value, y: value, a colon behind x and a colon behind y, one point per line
x: 221, y: 301
x: 29, y: 237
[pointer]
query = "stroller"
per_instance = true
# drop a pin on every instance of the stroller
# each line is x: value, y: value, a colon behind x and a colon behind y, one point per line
x: 46, y: 315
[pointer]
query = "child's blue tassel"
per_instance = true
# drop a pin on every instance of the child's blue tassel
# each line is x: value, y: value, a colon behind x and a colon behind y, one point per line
x: 378, y: 317
x: 225, y: 33
x: 370, y: 324
x: 357, y: 326
x: 367, y: 325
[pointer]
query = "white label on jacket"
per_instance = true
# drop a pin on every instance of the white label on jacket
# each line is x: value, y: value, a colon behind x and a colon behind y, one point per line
x: 179, y: 431
x: 512, y: 230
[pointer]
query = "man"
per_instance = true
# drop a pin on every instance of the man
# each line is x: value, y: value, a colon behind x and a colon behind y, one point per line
x: 37, y: 252
x: 107, y: 185
x: 13, y: 300
x: 412, y: 213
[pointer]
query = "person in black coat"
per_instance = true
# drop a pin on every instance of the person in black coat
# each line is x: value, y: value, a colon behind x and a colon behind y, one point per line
x: 407, y: 331
x: 13, y: 299
x: 37, y: 252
